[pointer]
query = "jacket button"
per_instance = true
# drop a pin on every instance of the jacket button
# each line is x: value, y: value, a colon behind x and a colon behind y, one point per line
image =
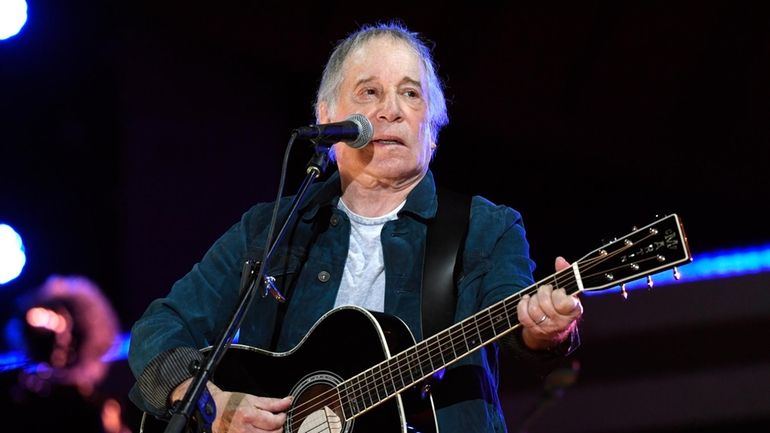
x: 323, y: 276
x: 335, y: 219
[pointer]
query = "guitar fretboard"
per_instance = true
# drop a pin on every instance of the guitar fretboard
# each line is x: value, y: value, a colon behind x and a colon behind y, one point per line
x: 413, y: 365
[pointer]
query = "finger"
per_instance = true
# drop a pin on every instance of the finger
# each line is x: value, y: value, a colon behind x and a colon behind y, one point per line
x: 535, y: 312
x: 561, y: 263
x: 565, y: 304
x: 267, y: 420
x: 522, y: 310
x: 273, y: 404
x: 544, y: 294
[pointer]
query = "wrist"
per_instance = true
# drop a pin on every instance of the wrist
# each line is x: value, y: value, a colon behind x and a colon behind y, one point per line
x: 546, y: 342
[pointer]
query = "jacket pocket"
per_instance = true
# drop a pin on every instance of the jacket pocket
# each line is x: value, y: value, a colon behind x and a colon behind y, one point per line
x: 284, y: 266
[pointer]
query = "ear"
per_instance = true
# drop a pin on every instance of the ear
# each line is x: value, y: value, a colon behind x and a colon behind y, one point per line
x: 323, y: 113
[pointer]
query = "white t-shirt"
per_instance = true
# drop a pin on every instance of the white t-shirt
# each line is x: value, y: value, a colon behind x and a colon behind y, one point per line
x: 363, y: 280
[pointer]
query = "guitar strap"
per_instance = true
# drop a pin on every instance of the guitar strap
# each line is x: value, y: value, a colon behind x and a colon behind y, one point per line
x: 443, y: 260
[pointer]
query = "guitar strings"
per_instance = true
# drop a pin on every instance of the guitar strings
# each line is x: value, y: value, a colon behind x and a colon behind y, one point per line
x: 366, y: 385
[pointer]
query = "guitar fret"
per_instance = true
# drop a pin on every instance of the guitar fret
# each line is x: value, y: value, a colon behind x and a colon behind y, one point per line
x: 387, y: 380
x: 366, y: 391
x: 456, y: 335
x: 373, y: 385
x: 437, y: 352
x: 358, y: 397
x: 500, y: 320
x: 393, y: 376
x: 472, y: 340
x: 396, y: 373
x: 447, y: 348
x: 486, y: 330
x: 440, y: 350
x: 346, y: 403
x: 478, y: 333
x: 465, y: 337
x: 415, y: 370
x: 491, y: 322
x: 342, y: 402
x: 423, y: 352
x: 508, y: 311
x: 408, y: 367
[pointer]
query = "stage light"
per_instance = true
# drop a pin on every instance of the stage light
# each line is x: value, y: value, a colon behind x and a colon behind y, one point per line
x: 12, y: 257
x: 13, y: 15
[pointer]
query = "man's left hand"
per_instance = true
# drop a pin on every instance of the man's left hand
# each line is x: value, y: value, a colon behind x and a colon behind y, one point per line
x: 548, y: 316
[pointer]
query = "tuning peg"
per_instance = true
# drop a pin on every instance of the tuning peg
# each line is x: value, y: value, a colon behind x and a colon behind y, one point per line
x: 623, y: 291
x: 677, y: 274
x: 649, y: 282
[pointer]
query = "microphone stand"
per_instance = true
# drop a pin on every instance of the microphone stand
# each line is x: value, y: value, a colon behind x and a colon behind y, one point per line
x: 197, y: 402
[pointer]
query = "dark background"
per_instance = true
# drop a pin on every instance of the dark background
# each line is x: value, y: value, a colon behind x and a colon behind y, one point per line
x: 133, y: 135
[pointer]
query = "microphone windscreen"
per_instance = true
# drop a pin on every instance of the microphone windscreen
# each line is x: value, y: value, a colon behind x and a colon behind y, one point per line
x: 366, y: 131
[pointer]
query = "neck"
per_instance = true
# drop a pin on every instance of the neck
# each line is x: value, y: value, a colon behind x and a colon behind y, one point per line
x: 374, y: 197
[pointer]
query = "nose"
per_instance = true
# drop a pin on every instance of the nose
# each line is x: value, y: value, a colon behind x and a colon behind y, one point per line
x: 389, y: 108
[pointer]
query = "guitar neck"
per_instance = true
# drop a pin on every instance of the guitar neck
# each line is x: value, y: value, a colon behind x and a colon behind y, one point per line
x: 417, y: 363
x: 656, y: 247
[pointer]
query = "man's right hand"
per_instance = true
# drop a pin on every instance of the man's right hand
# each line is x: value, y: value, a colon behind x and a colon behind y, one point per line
x: 238, y: 412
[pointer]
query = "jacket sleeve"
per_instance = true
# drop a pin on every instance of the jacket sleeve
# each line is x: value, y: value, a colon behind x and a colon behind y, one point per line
x: 503, y: 254
x: 173, y: 329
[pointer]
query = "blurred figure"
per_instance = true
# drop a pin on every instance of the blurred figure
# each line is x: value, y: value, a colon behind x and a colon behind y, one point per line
x: 68, y: 326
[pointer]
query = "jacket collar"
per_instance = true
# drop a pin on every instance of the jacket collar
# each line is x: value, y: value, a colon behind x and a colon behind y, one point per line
x: 420, y: 202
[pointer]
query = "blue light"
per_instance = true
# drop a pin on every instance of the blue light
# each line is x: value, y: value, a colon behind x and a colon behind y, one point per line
x: 119, y: 349
x: 12, y: 360
x: 13, y: 15
x: 708, y: 266
x: 12, y: 257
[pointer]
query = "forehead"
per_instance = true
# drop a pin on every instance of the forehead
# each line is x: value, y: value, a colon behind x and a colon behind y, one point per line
x: 385, y: 58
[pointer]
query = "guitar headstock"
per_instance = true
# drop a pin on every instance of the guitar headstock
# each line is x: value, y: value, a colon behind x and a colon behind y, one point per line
x: 651, y: 249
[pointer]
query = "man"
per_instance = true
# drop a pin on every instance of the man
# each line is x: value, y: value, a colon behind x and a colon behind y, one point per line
x: 359, y: 240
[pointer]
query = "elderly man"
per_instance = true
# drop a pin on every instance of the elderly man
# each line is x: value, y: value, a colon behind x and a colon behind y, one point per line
x: 360, y: 240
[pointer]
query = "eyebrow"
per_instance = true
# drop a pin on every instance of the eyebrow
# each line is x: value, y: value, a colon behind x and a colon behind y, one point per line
x: 411, y: 81
x: 405, y: 80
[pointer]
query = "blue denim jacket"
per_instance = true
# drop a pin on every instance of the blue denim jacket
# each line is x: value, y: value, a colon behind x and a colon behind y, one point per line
x: 496, y: 264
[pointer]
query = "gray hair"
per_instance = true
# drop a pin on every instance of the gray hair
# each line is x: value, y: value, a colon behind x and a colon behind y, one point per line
x: 332, y: 75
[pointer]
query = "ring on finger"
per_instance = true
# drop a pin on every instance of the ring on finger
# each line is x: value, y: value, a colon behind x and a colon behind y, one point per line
x: 542, y: 319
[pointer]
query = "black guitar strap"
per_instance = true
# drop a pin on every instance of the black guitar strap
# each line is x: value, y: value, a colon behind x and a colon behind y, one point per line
x: 443, y: 260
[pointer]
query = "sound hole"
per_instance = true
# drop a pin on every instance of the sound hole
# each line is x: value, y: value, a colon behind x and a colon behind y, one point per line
x: 316, y: 407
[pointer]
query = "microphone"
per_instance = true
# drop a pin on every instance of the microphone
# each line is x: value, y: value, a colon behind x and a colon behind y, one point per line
x: 356, y: 131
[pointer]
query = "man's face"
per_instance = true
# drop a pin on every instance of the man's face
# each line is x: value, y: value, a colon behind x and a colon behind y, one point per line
x: 384, y: 80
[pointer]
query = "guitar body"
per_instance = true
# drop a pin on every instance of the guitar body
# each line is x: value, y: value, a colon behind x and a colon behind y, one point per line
x: 343, y: 343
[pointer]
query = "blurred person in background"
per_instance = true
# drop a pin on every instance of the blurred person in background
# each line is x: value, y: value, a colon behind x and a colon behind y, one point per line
x: 68, y: 325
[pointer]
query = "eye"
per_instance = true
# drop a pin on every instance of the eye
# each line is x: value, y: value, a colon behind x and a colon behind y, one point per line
x: 411, y: 93
x: 369, y: 91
